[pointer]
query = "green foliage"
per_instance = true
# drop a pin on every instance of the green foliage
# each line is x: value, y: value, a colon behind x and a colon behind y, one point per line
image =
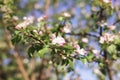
x: 111, y: 49
x: 16, y: 39
x: 38, y: 37
x: 34, y: 48
x: 43, y: 51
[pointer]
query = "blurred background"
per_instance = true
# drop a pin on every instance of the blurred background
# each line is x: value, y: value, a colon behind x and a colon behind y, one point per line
x: 16, y: 65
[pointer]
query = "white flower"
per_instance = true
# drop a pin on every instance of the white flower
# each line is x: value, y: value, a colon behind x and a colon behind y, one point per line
x: 65, y: 14
x: 35, y: 31
x: 38, y: 32
x: 78, y: 50
x: 112, y: 27
x: 58, y: 40
x: 103, y: 24
x: 15, y: 18
x: 27, y: 21
x: 96, y: 51
x: 106, y: 1
x: 67, y: 28
x: 41, y: 18
x: 21, y: 25
x: 102, y: 40
x: 106, y: 37
x: 85, y: 40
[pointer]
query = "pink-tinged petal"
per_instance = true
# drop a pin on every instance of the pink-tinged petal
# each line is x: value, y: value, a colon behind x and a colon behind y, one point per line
x: 102, y: 40
x: 18, y: 27
x: 112, y: 27
x: 85, y: 40
x: 58, y: 40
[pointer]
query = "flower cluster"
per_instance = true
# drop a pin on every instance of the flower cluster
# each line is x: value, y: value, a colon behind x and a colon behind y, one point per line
x: 110, y: 27
x: 27, y: 21
x: 58, y: 40
x: 79, y: 51
x: 38, y: 32
x: 106, y: 37
x: 67, y: 28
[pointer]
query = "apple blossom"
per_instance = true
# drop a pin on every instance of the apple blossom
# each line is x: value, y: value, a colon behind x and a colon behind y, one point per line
x: 112, y: 27
x: 106, y: 1
x: 103, y: 24
x: 85, y: 40
x: 38, y: 32
x: 65, y: 14
x: 78, y: 50
x: 41, y: 18
x: 58, y: 40
x: 102, y: 40
x: 106, y: 37
x: 67, y: 28
x: 27, y: 21
x: 96, y: 51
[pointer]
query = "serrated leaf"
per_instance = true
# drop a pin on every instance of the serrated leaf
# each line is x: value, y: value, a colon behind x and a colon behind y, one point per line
x: 16, y: 39
x: 111, y: 49
x: 31, y: 50
x: 117, y: 40
x: 43, y: 51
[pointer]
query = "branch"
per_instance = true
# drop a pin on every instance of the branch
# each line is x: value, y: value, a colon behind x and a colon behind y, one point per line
x: 82, y: 34
x: 108, y: 65
x: 116, y: 22
x: 16, y: 56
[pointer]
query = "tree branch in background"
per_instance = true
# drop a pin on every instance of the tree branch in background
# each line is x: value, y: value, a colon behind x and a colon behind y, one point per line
x: 108, y: 65
x: 82, y: 34
x: 107, y: 62
x: 16, y: 56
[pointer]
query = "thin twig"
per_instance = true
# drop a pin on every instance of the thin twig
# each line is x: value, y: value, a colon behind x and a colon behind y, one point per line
x: 82, y: 34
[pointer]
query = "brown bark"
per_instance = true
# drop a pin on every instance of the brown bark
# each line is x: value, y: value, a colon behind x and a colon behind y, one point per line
x: 108, y: 64
x: 16, y: 56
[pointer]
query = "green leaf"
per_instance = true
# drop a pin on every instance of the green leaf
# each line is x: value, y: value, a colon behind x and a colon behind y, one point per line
x: 61, y: 18
x: 114, y: 57
x: 84, y: 60
x: 16, y: 39
x: 90, y: 57
x: 117, y: 40
x: 111, y: 49
x: 43, y: 51
x: 31, y: 50
x: 101, y: 64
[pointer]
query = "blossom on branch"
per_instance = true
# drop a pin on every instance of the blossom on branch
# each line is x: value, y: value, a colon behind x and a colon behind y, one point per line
x: 85, y: 40
x: 58, y: 40
x: 79, y: 51
x: 112, y: 27
x: 27, y: 21
x: 67, y: 28
x: 65, y: 14
x: 106, y: 37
